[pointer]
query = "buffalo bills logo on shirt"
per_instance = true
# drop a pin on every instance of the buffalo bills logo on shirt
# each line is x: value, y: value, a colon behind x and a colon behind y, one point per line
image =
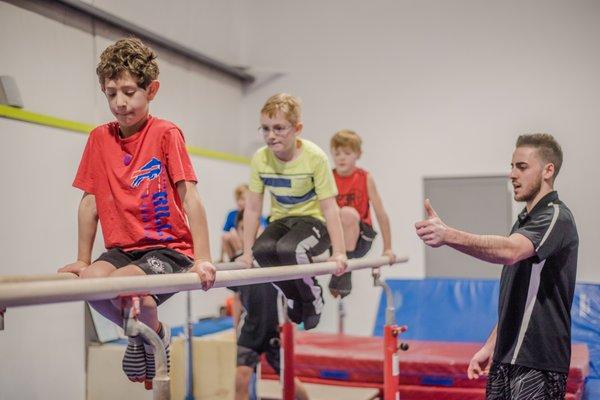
x: 151, y: 170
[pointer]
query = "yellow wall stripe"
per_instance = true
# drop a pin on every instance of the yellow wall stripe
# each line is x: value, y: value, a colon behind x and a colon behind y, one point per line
x: 217, y: 155
x: 47, y: 120
x: 40, y: 119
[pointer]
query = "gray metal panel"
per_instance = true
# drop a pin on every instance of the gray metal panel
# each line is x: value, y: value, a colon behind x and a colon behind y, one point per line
x: 474, y: 204
x: 9, y: 92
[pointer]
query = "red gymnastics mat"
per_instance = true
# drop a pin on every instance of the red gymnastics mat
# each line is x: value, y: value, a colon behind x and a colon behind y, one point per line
x: 426, y: 368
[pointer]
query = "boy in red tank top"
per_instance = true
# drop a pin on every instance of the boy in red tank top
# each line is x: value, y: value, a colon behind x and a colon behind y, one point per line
x: 138, y: 181
x: 356, y: 193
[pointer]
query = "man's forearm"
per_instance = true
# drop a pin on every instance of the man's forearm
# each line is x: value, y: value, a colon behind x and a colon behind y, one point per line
x: 490, y: 343
x: 491, y: 248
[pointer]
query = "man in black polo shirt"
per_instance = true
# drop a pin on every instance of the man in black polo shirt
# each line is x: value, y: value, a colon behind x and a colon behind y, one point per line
x: 531, y: 344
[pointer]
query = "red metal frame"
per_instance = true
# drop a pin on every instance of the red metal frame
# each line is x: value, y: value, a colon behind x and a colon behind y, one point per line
x: 287, y: 370
x: 391, y: 367
x: 391, y: 361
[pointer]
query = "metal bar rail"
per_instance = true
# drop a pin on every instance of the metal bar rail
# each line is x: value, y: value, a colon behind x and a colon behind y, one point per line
x: 59, y: 291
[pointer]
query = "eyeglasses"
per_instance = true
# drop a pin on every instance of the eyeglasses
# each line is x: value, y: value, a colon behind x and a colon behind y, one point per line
x: 278, y: 130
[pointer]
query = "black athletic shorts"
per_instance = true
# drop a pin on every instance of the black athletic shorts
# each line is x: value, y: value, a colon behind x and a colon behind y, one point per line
x: 364, y: 242
x: 343, y: 283
x: 250, y: 358
x: 151, y: 261
x: 515, y: 382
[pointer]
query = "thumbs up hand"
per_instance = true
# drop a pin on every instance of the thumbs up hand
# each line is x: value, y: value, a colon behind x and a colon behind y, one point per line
x: 429, y: 209
x: 432, y: 230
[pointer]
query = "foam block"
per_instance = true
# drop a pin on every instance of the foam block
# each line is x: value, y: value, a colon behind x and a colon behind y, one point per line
x: 346, y: 358
x: 271, y: 390
x: 214, y: 370
x: 214, y: 367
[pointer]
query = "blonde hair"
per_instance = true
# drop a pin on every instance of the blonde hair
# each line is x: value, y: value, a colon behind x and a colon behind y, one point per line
x: 289, y: 105
x: 239, y: 191
x: 130, y: 55
x: 346, y: 138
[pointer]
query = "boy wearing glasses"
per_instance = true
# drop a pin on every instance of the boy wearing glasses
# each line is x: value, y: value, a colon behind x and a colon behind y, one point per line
x: 305, y: 220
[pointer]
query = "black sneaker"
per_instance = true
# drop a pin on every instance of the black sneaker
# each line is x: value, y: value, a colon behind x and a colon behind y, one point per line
x: 341, y: 285
x: 310, y: 318
x: 295, y: 312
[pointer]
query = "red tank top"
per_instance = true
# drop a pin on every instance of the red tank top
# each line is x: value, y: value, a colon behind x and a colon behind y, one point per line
x: 353, y: 192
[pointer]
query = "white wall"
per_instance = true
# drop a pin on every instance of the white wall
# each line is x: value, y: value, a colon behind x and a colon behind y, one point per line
x: 54, y: 66
x: 43, y: 344
x: 438, y: 88
x: 434, y: 87
x: 204, y: 103
x: 39, y: 343
x: 212, y: 28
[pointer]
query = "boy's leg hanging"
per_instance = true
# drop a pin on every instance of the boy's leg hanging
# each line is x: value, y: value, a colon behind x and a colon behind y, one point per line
x: 265, y: 247
x: 306, y: 238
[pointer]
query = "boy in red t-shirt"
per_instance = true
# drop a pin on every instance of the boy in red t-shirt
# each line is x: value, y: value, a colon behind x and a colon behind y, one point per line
x: 138, y: 181
x: 356, y: 193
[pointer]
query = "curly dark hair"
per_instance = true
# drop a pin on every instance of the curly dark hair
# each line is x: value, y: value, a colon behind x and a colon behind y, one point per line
x: 130, y: 55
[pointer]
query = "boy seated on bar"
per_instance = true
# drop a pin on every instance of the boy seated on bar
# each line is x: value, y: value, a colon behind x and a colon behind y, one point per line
x: 305, y: 219
x: 356, y: 193
x: 138, y: 181
x: 231, y: 241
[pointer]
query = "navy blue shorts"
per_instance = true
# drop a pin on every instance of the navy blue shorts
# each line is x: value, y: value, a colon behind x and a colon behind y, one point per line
x: 343, y: 283
x: 364, y: 242
x: 250, y: 358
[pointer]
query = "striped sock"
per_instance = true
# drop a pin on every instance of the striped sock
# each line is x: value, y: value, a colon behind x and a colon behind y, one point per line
x: 165, y: 334
x: 134, y: 360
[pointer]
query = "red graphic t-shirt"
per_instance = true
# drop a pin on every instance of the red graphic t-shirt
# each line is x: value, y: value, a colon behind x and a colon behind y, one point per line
x: 133, y: 180
x: 353, y: 192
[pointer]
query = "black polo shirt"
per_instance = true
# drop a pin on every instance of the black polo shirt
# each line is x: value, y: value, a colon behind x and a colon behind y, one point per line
x: 259, y: 322
x: 534, y: 310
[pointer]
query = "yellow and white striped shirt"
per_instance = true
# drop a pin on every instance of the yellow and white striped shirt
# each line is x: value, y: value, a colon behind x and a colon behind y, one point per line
x: 296, y: 186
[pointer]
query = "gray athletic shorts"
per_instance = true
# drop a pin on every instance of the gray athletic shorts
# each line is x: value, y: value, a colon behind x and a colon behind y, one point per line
x: 250, y: 358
